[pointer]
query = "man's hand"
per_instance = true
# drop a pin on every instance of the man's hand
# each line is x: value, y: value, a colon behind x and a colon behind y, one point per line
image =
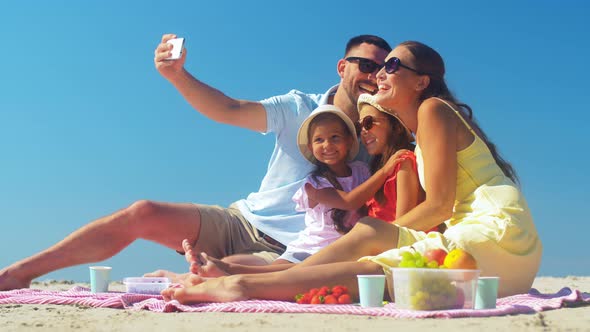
x: 207, y: 100
x: 168, y: 68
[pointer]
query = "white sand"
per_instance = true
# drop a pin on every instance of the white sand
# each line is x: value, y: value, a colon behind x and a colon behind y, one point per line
x: 76, y: 318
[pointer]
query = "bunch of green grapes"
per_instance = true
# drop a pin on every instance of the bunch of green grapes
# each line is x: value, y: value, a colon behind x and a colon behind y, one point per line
x: 430, y: 291
x: 433, y: 292
x: 416, y: 259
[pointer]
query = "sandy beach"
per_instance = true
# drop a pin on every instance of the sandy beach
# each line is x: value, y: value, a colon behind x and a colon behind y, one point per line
x: 76, y: 318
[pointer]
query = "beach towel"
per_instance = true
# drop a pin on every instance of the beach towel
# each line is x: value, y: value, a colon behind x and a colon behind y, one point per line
x: 529, y: 303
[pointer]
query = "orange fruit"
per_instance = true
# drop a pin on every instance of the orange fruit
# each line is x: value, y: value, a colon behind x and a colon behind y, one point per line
x: 460, y: 259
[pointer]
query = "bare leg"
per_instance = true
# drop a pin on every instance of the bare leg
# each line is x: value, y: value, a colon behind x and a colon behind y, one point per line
x: 245, y: 259
x: 334, y: 265
x: 192, y: 259
x: 164, y: 223
x: 210, y: 267
x: 283, y: 285
x: 368, y: 237
x: 213, y: 267
x: 173, y: 276
x: 201, y: 265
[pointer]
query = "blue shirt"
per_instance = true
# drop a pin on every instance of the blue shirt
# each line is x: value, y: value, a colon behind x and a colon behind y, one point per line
x: 271, y: 209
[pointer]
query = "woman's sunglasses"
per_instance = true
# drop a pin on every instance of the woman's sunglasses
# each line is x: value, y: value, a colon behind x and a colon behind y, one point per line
x: 366, y: 66
x: 393, y: 64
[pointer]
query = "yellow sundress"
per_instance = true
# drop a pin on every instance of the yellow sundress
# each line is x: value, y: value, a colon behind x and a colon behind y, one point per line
x: 490, y: 220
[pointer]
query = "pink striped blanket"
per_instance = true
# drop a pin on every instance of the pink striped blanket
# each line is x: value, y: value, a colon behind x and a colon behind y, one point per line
x: 532, y: 302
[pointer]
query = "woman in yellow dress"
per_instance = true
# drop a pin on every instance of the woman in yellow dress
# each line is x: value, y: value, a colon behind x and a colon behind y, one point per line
x: 468, y: 186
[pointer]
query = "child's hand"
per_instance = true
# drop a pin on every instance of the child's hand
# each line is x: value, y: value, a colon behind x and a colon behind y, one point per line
x: 389, y: 166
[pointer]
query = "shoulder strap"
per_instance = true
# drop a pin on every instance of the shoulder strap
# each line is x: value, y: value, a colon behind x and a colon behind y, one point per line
x: 458, y: 114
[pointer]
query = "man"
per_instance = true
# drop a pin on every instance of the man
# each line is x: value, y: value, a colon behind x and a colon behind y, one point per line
x: 262, y: 223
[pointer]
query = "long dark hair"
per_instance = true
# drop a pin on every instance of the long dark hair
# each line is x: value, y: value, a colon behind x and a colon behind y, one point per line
x: 397, y: 140
x: 429, y: 62
x: 322, y: 170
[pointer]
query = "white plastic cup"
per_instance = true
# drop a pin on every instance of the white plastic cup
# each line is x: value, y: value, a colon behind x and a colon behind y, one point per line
x: 487, y: 292
x: 99, y: 279
x: 371, y: 289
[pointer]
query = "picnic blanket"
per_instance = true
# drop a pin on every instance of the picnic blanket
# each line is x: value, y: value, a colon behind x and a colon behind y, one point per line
x: 532, y: 302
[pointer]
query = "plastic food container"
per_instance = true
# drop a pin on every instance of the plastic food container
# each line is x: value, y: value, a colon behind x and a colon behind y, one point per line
x: 434, y: 289
x: 146, y: 285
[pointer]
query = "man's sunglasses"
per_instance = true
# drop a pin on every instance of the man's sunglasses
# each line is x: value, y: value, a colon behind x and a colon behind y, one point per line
x: 366, y: 66
x: 393, y: 64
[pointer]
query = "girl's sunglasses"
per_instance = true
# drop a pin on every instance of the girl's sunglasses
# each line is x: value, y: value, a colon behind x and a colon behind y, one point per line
x: 367, y: 123
x: 366, y: 66
x: 393, y: 64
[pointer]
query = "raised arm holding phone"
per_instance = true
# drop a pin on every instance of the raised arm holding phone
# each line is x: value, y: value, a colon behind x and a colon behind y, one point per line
x: 263, y: 222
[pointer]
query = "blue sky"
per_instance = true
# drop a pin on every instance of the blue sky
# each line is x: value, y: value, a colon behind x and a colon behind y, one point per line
x: 88, y: 126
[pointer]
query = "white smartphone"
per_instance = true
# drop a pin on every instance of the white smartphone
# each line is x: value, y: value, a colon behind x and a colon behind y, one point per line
x: 177, y: 46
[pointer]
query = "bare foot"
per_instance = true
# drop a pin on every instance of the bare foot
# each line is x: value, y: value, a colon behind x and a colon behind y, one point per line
x: 7, y: 282
x: 174, y: 277
x: 210, y: 267
x: 224, y: 289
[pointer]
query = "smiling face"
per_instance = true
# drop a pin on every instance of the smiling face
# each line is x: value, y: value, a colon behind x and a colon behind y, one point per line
x: 330, y: 141
x: 376, y: 139
x: 403, y: 87
x: 354, y: 82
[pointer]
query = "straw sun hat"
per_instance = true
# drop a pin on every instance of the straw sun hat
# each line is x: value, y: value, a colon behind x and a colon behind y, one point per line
x: 303, y: 139
x: 368, y: 99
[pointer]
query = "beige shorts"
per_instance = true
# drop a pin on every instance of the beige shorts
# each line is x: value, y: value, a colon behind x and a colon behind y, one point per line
x: 225, y: 232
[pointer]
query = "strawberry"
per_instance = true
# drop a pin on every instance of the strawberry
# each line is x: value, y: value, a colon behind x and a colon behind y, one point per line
x: 324, y: 291
x: 330, y: 299
x: 303, y: 298
x: 324, y: 295
x: 317, y: 299
x: 312, y: 292
x: 298, y: 297
x: 306, y: 298
x: 344, y: 299
x: 344, y: 289
x: 339, y: 290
